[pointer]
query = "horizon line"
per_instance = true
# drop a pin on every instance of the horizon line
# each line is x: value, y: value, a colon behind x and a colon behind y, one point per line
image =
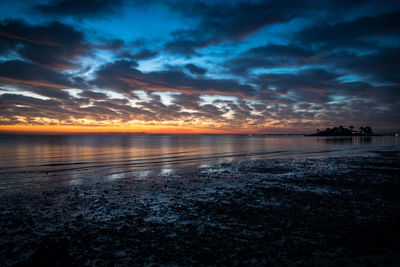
x: 137, y: 133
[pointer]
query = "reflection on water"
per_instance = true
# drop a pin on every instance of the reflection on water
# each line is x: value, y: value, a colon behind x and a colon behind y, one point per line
x: 26, y: 160
x: 347, y: 140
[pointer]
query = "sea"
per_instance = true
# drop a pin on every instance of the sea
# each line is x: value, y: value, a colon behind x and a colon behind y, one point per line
x: 28, y: 162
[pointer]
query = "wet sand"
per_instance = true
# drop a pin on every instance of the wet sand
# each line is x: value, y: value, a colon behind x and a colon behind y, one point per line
x: 318, y: 211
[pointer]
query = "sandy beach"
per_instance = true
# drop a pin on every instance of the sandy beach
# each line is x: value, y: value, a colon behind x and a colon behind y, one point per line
x: 318, y: 211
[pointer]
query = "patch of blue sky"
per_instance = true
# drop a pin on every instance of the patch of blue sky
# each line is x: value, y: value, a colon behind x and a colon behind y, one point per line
x: 225, y: 50
x: 89, y: 64
x: 166, y: 61
x: 370, y: 79
x: 272, y: 34
x: 153, y: 64
x: 180, y: 61
x: 138, y: 23
x: 350, y: 78
x: 103, y: 56
x: 282, y: 70
x: 10, y: 56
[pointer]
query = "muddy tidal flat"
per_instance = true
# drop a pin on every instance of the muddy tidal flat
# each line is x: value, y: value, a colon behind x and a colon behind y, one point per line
x: 300, y: 211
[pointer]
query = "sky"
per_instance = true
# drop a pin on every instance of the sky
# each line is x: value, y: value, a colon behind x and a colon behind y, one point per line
x: 199, y: 66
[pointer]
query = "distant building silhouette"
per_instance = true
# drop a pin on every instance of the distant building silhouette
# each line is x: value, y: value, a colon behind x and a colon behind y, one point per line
x: 341, y: 131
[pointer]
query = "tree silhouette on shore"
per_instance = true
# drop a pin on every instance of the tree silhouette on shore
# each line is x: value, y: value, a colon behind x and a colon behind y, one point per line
x: 342, y: 131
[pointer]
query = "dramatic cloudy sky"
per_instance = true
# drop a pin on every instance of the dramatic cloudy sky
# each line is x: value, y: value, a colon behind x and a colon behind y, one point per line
x: 199, y: 66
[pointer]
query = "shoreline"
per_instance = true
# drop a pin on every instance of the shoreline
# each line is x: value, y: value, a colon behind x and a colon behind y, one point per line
x: 320, y: 211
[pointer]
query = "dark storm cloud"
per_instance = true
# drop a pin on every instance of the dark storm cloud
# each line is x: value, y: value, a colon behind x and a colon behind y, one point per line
x: 182, y: 46
x: 316, y: 81
x: 51, y: 92
x: 195, y: 69
x: 355, y: 89
x: 233, y: 21
x: 110, y: 44
x: 320, y: 87
x: 79, y: 8
x: 160, y: 111
x: 15, y: 106
x: 274, y: 50
x: 311, y: 85
x: 55, y: 45
x: 382, y: 66
x: 194, y: 103
x: 112, y: 110
x: 28, y: 74
x: 188, y: 101
x: 37, y: 79
x: 270, y: 56
x: 144, y: 54
x: 7, y: 100
x: 347, y: 32
x: 221, y: 22
x: 123, y: 77
x: 93, y: 95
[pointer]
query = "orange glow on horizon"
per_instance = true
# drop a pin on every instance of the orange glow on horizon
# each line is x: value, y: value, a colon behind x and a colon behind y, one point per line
x: 77, y: 129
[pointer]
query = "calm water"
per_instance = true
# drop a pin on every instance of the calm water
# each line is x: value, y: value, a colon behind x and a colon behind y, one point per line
x: 42, y: 160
